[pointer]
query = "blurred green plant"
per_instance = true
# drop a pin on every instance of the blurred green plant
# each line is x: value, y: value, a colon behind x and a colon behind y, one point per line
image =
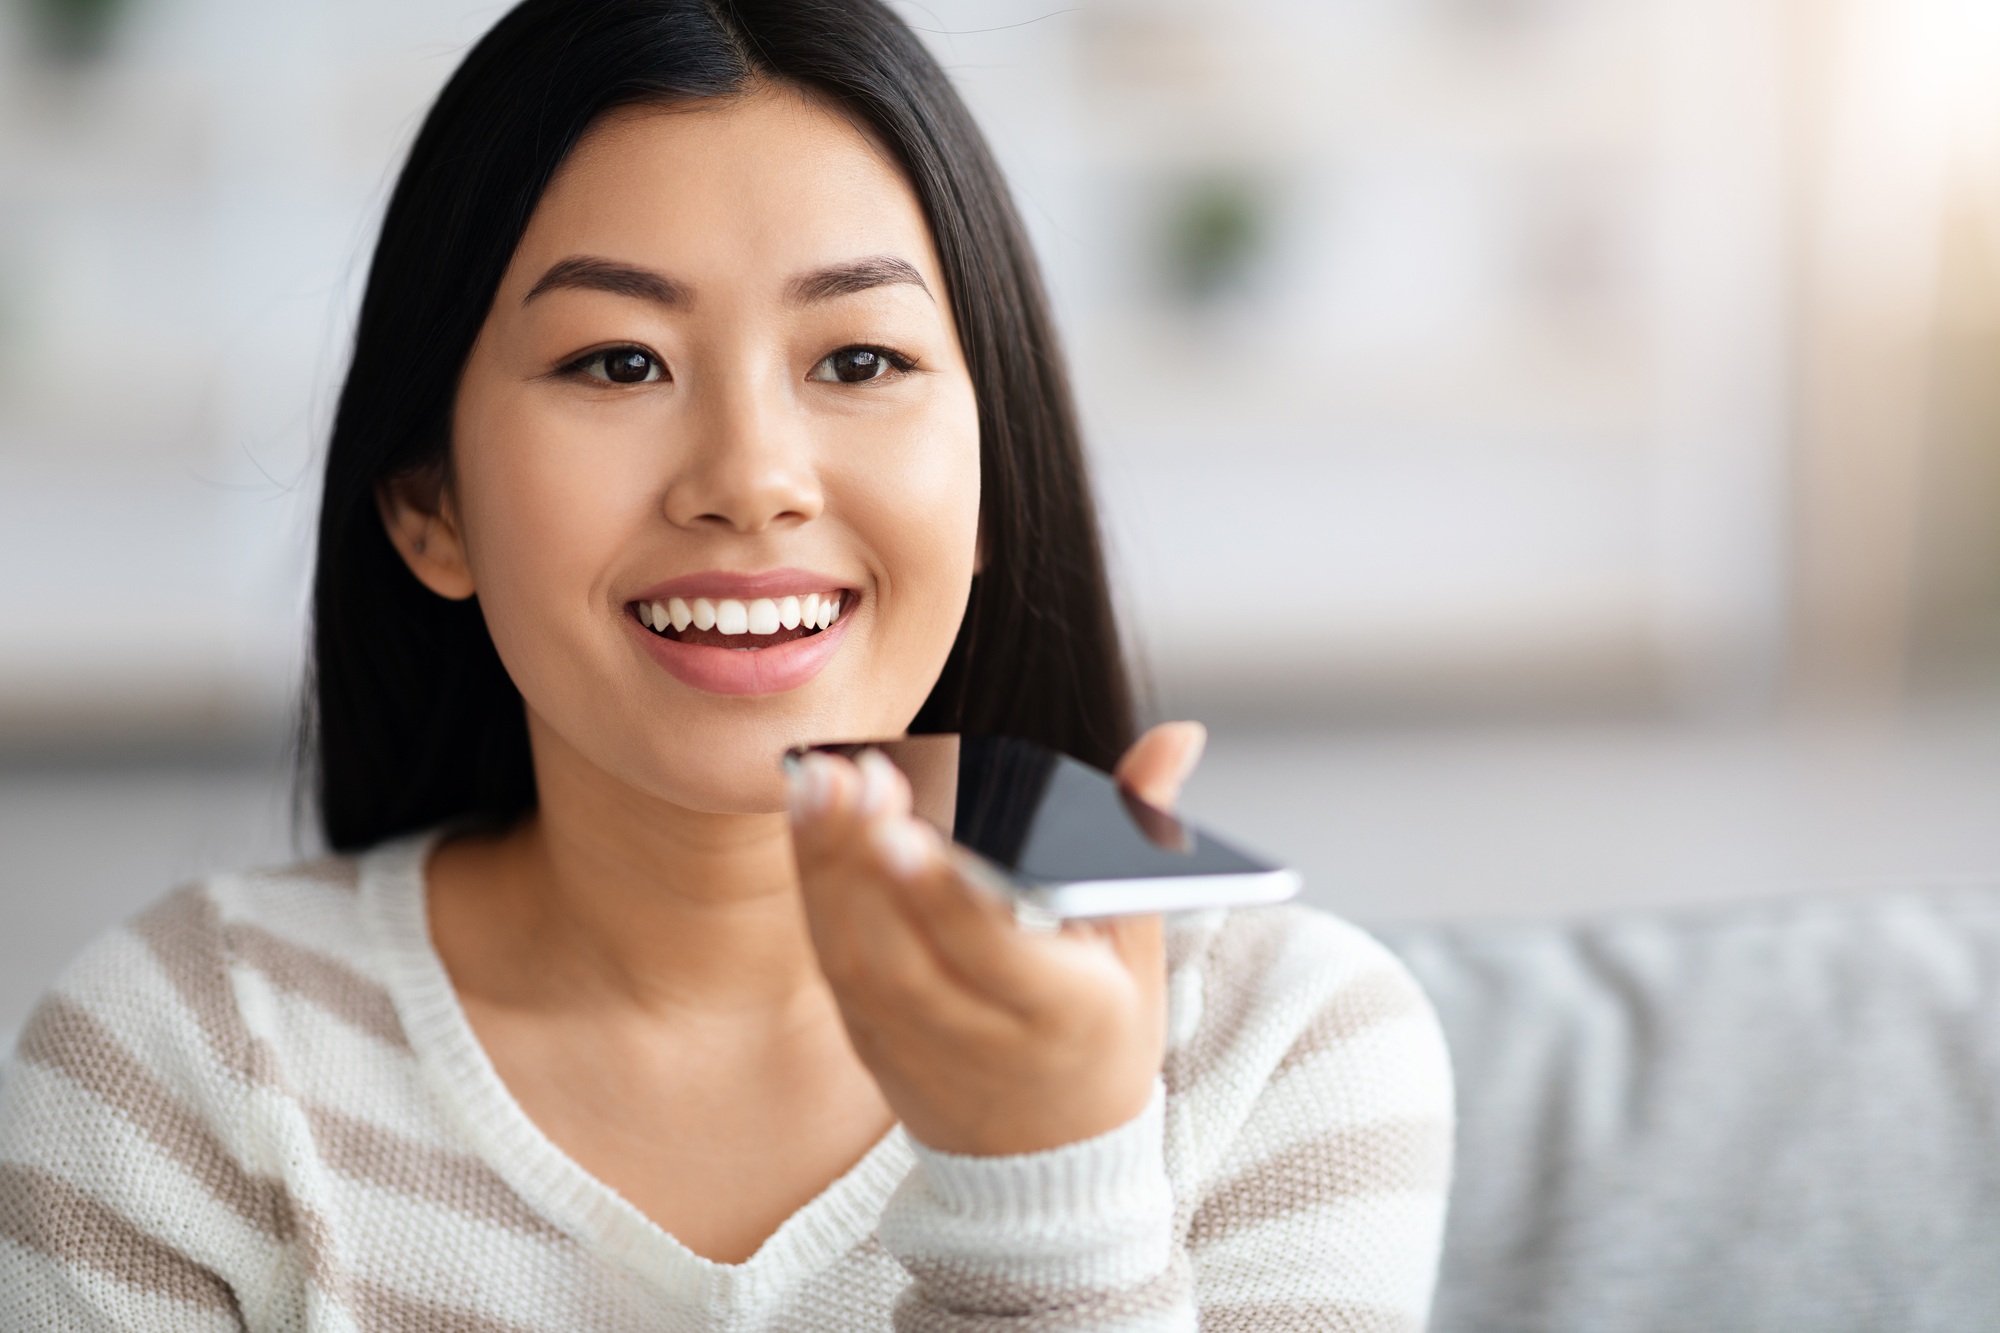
x: 75, y: 30
x: 1215, y: 227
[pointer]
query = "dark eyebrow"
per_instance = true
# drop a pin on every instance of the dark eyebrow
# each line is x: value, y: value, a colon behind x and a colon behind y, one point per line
x: 854, y: 275
x: 607, y: 275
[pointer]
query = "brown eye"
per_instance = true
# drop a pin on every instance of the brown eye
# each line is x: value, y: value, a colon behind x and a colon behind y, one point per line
x: 856, y: 365
x: 623, y: 365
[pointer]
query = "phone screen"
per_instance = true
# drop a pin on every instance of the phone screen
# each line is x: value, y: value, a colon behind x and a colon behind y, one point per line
x: 1067, y: 836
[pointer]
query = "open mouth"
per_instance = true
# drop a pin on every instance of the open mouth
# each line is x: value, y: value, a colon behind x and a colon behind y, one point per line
x: 744, y: 624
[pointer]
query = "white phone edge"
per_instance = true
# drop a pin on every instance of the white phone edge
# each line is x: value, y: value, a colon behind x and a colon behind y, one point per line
x: 1170, y: 893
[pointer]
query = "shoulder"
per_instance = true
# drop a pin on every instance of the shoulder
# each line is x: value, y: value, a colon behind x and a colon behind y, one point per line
x: 1291, y: 1007
x: 164, y: 1041
x: 166, y: 992
x: 297, y: 928
x: 142, y: 1161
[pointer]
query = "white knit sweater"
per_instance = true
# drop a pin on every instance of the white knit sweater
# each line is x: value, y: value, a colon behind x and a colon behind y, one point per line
x: 260, y: 1106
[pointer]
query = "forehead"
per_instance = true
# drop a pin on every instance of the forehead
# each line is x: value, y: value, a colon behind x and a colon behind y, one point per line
x: 772, y: 175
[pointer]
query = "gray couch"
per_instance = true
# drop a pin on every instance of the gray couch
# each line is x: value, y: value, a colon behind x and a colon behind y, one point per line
x: 1784, y: 1116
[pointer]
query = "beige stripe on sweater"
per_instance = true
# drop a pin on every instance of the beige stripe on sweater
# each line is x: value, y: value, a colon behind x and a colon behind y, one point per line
x: 55, y: 1218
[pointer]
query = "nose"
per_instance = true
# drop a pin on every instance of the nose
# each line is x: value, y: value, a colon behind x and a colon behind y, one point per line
x: 747, y: 465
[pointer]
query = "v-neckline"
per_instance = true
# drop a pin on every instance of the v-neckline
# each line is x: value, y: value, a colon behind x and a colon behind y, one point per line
x: 500, y: 1132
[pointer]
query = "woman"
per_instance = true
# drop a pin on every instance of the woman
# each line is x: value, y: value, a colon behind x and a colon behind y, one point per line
x: 704, y: 402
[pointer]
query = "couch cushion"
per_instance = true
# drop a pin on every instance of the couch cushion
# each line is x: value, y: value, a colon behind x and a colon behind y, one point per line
x: 1783, y: 1116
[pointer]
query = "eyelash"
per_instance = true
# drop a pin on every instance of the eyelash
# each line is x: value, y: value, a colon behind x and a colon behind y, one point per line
x: 581, y: 366
x: 898, y: 362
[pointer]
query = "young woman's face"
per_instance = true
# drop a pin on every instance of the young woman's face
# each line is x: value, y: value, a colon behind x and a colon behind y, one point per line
x: 719, y: 388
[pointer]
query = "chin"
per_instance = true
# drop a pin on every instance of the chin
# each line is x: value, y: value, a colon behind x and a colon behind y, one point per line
x: 709, y: 752
x: 728, y: 763
x: 738, y: 785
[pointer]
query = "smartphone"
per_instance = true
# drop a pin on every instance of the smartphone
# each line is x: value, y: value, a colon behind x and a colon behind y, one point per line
x: 1064, y: 839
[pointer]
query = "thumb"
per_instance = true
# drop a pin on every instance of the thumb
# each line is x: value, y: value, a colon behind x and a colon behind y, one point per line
x: 1161, y: 761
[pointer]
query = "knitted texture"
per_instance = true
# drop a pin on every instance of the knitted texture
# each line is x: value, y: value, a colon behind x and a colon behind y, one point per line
x: 259, y: 1106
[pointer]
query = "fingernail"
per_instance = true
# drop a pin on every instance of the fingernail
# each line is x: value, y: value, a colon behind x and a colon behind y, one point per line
x: 878, y: 780
x: 808, y: 786
x: 903, y: 844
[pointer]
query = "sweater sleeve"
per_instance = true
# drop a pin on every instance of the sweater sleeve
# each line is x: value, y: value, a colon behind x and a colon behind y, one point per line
x: 1318, y: 1124
x: 1293, y: 1177
x: 1079, y: 1237
x: 120, y: 1205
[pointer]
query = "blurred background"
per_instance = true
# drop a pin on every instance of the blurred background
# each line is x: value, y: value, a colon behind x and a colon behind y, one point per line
x: 1555, y: 443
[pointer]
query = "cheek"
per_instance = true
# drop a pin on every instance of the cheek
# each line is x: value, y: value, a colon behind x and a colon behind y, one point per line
x: 919, y: 515
x: 543, y: 520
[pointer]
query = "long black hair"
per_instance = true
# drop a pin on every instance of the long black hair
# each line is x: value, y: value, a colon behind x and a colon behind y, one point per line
x: 411, y: 719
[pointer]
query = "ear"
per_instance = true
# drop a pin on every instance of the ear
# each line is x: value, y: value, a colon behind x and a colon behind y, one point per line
x: 418, y: 513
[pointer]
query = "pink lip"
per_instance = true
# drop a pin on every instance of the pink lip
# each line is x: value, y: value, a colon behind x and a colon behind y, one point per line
x: 723, y: 583
x: 745, y: 670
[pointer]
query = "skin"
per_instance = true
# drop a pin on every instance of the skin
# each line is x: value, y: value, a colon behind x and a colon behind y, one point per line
x: 715, y: 1003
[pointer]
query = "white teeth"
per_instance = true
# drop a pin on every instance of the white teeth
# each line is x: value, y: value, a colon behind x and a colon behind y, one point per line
x: 731, y: 615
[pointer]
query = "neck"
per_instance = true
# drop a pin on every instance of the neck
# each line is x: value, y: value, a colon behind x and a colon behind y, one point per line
x: 609, y: 897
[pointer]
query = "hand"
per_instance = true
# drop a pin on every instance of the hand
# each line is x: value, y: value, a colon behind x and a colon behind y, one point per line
x: 985, y: 1039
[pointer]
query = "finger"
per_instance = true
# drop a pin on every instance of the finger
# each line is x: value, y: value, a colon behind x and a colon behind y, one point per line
x: 936, y: 887
x: 859, y: 848
x: 879, y: 887
x: 1160, y: 762
x: 1140, y: 941
x: 878, y: 958
x: 827, y: 795
x: 819, y: 793
x: 831, y: 799
x: 976, y: 937
x: 1141, y: 944
x: 884, y: 789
